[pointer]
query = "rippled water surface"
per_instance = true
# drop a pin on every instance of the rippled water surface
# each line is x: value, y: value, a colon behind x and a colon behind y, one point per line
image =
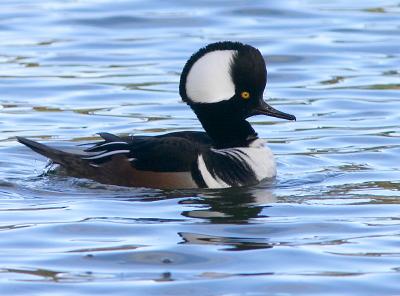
x: 330, y: 224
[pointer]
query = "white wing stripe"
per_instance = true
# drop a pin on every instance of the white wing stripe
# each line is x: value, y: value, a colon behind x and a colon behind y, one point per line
x: 106, y: 154
x: 111, y: 143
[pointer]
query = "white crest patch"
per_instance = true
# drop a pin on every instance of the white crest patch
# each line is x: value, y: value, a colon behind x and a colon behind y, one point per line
x: 209, y: 80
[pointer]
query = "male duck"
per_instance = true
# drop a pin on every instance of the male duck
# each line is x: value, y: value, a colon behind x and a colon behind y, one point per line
x: 223, y: 83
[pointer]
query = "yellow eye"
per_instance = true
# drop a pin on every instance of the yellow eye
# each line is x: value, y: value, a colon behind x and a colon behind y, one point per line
x: 245, y: 95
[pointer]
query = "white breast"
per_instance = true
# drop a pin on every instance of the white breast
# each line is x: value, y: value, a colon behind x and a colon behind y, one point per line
x: 261, y: 160
x: 258, y: 157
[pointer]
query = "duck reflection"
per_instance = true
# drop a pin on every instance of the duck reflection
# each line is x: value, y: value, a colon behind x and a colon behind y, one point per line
x: 232, y: 207
x: 231, y: 243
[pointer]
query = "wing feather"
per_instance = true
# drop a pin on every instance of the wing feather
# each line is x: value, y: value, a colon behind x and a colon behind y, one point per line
x: 174, y: 152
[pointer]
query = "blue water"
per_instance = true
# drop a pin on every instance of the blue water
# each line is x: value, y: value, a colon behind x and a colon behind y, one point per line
x: 330, y: 224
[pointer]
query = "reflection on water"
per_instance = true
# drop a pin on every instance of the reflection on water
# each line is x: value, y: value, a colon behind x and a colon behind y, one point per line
x: 329, y: 223
x: 234, y: 205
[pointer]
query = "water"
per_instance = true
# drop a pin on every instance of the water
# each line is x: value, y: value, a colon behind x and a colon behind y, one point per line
x: 328, y: 225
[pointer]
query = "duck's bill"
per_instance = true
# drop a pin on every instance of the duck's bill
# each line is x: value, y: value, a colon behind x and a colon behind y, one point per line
x: 265, y: 109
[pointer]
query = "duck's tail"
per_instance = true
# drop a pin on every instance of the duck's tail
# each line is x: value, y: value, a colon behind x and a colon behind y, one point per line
x: 56, y: 155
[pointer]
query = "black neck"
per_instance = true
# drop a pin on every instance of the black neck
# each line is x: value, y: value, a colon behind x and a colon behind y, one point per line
x: 225, y: 130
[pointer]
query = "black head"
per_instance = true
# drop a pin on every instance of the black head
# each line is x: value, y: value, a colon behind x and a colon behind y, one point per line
x: 224, y: 84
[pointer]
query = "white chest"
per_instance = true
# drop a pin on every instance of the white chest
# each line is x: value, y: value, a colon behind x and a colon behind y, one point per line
x: 261, y: 160
x: 258, y: 158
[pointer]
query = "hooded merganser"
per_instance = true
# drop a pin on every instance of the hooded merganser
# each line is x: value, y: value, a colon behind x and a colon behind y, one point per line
x: 223, y: 83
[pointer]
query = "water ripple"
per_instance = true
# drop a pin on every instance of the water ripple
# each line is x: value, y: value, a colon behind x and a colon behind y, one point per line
x: 328, y: 224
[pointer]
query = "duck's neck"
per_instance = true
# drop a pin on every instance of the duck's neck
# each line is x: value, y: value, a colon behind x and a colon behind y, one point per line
x: 225, y: 130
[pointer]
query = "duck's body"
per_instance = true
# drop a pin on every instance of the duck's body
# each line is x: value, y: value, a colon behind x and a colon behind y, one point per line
x: 223, y: 83
x: 174, y: 160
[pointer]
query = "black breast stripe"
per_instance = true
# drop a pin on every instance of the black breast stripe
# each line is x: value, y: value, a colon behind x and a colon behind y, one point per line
x: 230, y: 167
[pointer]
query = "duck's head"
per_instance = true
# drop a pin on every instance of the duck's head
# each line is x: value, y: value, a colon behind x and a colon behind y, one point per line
x: 224, y: 84
x: 229, y: 76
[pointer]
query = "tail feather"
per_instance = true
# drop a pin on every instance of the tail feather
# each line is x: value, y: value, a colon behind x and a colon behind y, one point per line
x: 55, y: 155
x: 71, y: 162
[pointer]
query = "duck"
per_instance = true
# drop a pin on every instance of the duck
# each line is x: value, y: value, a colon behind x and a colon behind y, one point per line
x: 223, y: 83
